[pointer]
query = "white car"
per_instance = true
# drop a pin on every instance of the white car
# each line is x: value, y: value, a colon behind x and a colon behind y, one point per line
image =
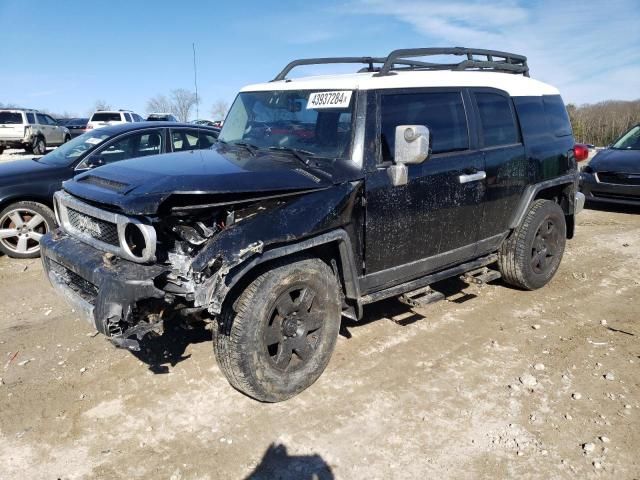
x: 31, y: 130
x: 103, y: 118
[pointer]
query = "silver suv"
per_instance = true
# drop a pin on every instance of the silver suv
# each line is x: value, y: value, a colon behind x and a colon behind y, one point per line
x: 31, y: 130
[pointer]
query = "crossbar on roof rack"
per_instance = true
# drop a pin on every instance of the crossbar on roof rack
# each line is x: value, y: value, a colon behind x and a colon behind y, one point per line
x: 493, y: 60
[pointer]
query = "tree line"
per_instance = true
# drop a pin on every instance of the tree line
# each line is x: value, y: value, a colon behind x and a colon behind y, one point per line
x: 602, y: 123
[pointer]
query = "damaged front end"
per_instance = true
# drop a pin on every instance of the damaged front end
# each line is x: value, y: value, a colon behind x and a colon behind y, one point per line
x: 107, y: 267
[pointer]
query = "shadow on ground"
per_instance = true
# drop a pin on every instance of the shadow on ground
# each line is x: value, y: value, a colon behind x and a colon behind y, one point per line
x: 277, y: 464
x: 162, y: 351
x: 613, y: 207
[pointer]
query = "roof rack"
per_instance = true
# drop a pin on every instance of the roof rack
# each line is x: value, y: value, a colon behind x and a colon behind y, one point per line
x: 401, y: 60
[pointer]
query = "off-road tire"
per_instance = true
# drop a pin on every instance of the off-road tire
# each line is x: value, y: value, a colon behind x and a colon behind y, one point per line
x: 31, y: 208
x: 517, y: 252
x: 240, y: 338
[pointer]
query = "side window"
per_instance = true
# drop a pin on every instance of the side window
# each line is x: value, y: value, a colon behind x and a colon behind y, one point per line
x: 136, y: 145
x: 50, y: 120
x: 31, y: 118
x: 188, y: 139
x: 497, y: 123
x: 127, y: 116
x: 442, y: 112
x: 40, y: 120
x: 557, y: 116
x: 137, y: 118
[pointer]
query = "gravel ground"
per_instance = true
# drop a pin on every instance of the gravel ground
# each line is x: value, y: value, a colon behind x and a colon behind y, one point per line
x: 493, y: 383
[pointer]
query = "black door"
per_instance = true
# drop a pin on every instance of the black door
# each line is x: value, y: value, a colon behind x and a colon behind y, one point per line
x: 433, y: 220
x: 505, y: 162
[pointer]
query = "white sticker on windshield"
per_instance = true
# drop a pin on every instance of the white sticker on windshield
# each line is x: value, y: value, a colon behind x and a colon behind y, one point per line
x: 338, y: 99
x: 93, y: 140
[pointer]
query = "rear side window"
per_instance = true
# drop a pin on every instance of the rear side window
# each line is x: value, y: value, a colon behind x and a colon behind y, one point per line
x: 497, y: 123
x: 31, y: 118
x: 128, y: 117
x: 557, y: 116
x: 106, y: 117
x: 10, y: 118
x: 442, y: 112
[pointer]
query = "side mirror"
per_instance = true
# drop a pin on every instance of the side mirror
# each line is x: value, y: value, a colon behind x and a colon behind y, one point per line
x: 411, y: 147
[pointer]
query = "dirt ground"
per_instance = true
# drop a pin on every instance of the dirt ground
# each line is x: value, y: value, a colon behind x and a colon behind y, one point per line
x: 493, y: 383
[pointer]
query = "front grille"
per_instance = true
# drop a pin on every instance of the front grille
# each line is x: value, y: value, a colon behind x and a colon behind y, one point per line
x: 619, y: 178
x: 97, y: 228
x: 104, y: 183
x: 87, y: 290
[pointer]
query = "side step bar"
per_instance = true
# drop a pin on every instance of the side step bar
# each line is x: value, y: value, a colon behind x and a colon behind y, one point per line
x: 481, y: 275
x: 429, y: 279
x: 421, y: 297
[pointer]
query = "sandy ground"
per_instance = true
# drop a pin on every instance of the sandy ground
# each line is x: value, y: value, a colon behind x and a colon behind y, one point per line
x: 493, y: 383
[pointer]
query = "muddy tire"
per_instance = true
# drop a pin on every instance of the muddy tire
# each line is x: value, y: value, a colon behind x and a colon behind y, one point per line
x: 531, y: 255
x: 22, y: 224
x: 276, y: 339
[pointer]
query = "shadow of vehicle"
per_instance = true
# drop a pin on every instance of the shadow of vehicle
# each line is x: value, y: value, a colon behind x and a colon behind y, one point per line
x: 277, y: 464
x: 162, y: 351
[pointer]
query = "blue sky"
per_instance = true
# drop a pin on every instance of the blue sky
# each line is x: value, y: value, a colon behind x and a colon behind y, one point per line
x: 63, y: 56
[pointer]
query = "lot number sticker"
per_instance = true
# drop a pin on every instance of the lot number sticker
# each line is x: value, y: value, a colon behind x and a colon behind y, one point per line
x: 339, y: 99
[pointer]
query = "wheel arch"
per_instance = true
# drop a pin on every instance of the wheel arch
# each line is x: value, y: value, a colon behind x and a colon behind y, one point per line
x: 10, y: 199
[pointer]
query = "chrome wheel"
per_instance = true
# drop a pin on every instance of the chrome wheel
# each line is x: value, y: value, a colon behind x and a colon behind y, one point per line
x: 21, y: 230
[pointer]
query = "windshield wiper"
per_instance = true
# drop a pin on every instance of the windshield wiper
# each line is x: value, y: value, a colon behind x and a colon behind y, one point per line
x: 302, y: 155
x: 252, y: 148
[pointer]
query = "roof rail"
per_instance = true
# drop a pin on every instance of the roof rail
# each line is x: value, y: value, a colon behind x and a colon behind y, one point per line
x: 401, y: 60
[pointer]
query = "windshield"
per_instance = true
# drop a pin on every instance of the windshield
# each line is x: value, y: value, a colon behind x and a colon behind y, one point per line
x: 68, y: 152
x: 630, y: 140
x: 318, y: 123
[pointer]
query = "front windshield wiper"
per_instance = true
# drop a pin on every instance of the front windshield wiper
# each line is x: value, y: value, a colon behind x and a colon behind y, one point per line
x: 252, y: 148
x: 302, y: 155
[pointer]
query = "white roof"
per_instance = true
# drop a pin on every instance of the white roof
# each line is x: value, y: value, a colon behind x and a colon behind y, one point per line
x: 514, y: 85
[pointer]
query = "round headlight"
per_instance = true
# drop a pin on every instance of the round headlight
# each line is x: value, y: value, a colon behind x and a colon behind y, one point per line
x: 134, y: 240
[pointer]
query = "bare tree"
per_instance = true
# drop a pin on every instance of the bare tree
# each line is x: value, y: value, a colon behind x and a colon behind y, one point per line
x: 183, y: 102
x: 601, y: 123
x: 219, y: 110
x: 99, y: 105
x: 159, y: 104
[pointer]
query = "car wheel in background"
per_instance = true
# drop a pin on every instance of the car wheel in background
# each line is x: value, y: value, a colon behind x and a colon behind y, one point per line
x: 66, y: 138
x: 39, y: 146
x: 22, y: 224
x: 1, y: 150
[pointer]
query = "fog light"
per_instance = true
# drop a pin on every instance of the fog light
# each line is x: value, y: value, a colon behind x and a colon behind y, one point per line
x: 134, y: 240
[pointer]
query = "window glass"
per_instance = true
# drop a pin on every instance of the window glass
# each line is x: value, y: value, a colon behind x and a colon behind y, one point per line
x: 191, y: 139
x: 31, y: 118
x: 557, y: 116
x: 629, y: 141
x: 49, y: 120
x: 40, y: 120
x: 442, y: 112
x: 497, y: 123
x: 137, y: 118
x: 11, y: 118
x: 128, y: 117
x: 106, y: 117
x: 136, y: 145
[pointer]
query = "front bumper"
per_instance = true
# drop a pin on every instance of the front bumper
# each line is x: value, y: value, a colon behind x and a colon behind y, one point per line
x: 596, y: 191
x: 104, y: 289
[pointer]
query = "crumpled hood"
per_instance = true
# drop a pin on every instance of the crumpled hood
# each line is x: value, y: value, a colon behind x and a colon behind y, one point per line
x: 140, y: 185
x: 612, y: 160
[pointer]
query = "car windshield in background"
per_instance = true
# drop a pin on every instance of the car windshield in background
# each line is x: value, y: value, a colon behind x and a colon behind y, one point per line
x: 629, y: 141
x: 318, y: 123
x: 10, y: 118
x: 106, y: 117
x: 68, y: 152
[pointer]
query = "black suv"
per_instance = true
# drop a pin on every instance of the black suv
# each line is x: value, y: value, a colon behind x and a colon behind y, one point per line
x: 325, y: 194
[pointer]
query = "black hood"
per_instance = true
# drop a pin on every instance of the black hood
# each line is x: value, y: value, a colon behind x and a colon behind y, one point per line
x: 613, y: 160
x: 141, y: 185
x: 24, y: 171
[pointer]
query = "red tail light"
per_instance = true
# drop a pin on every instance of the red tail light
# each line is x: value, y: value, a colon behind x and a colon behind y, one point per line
x: 580, y: 152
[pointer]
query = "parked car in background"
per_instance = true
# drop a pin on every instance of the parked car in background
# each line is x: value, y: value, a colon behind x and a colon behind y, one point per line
x: 102, y: 118
x: 76, y: 126
x: 31, y: 130
x: 613, y: 175
x: 161, y: 117
x: 27, y: 186
x: 209, y: 123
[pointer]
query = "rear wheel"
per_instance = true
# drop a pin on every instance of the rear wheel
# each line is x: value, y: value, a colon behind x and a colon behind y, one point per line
x: 277, y: 337
x: 531, y: 255
x: 39, y: 146
x: 66, y: 139
x: 22, y: 225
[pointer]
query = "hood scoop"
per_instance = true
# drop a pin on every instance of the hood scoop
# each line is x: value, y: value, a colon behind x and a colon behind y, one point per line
x: 105, y: 183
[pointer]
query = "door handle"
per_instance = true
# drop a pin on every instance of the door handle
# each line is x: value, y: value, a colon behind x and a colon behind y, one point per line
x: 473, y: 177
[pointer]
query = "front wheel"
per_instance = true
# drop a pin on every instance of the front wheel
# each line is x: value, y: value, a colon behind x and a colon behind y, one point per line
x: 276, y: 339
x: 22, y: 225
x: 530, y: 256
